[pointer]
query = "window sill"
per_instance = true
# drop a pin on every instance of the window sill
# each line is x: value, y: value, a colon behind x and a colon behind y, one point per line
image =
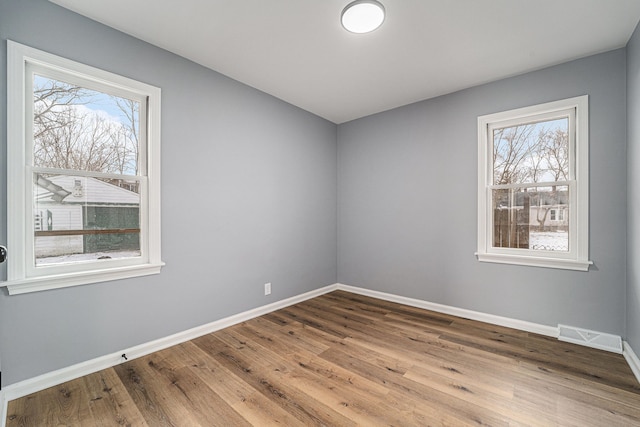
x: 565, y: 264
x: 36, y: 284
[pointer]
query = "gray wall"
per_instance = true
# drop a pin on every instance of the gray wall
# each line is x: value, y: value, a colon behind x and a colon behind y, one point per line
x: 633, y: 197
x: 248, y: 197
x: 407, y: 202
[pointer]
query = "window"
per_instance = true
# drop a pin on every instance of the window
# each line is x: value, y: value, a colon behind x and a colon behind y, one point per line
x: 84, y: 166
x: 556, y: 214
x: 533, y: 186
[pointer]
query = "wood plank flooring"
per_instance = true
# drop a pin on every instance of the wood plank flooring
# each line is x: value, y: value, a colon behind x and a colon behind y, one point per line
x: 348, y: 360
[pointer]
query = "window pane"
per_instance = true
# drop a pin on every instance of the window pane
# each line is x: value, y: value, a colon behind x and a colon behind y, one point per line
x: 83, y: 129
x: 529, y: 218
x: 530, y: 153
x: 79, y: 218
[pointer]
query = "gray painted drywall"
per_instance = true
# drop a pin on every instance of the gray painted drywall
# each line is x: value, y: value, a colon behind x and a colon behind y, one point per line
x: 248, y: 197
x: 407, y: 202
x: 633, y: 198
x: 258, y: 180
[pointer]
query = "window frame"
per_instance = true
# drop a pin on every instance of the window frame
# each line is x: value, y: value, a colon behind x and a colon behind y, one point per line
x: 22, y: 275
x: 576, y: 258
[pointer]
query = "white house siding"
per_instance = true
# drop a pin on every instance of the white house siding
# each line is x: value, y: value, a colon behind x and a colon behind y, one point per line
x: 68, y: 214
x: 58, y: 245
x: 561, y: 224
x: 65, y: 217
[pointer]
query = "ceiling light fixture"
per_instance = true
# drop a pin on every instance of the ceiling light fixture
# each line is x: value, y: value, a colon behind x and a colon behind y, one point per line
x: 362, y: 16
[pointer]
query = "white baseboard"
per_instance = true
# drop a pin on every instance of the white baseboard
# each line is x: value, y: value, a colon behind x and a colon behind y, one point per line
x: 632, y: 359
x: 41, y: 382
x: 454, y: 311
x: 51, y: 379
x: 3, y: 409
x: 603, y: 341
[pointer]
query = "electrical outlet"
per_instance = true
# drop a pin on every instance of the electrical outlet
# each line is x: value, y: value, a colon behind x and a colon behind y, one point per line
x: 267, y: 288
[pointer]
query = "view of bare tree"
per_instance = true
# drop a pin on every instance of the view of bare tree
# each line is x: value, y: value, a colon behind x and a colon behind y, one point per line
x: 531, y: 153
x: 78, y: 134
x: 68, y: 134
x: 530, y: 156
x: 512, y: 149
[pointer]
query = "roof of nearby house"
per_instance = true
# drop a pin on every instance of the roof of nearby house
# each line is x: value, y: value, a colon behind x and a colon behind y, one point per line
x: 538, y: 198
x: 91, y: 191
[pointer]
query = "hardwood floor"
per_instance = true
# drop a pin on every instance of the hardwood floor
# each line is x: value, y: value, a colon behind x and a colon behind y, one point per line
x: 344, y: 360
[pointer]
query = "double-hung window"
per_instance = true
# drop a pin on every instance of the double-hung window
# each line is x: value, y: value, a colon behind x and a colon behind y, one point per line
x: 83, y: 173
x: 533, y: 186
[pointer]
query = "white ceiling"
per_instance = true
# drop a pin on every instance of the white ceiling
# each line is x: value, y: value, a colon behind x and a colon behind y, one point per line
x: 296, y: 50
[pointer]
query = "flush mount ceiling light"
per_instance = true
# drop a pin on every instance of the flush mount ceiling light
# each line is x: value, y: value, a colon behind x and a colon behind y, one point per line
x: 362, y: 16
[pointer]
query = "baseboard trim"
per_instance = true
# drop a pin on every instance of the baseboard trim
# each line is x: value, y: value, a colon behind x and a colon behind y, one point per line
x: 455, y: 311
x: 3, y: 409
x: 632, y: 359
x: 51, y: 379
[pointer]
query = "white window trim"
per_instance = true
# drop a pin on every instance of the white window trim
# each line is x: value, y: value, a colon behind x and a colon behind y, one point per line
x: 578, y: 256
x: 20, y: 277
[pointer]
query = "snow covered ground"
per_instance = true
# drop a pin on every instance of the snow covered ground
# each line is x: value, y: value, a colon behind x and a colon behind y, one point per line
x: 549, y: 240
x: 86, y: 257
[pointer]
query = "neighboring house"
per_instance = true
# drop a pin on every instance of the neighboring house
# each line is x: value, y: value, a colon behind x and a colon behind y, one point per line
x: 542, y: 211
x: 549, y: 211
x: 518, y: 214
x: 90, y: 209
x: 552, y: 217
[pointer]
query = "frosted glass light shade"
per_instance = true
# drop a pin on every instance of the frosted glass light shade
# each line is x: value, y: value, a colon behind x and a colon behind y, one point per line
x: 362, y: 16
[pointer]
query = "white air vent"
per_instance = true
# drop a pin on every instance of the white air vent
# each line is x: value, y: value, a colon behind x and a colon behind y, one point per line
x: 589, y: 338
